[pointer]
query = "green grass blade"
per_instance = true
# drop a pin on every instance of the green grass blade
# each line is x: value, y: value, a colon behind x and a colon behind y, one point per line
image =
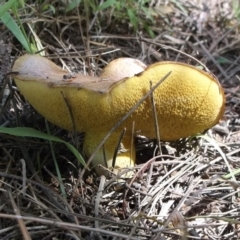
x: 5, y: 7
x: 106, y: 4
x: 72, y: 5
x: 14, y: 28
x: 133, y: 18
x: 30, y: 132
x: 229, y: 175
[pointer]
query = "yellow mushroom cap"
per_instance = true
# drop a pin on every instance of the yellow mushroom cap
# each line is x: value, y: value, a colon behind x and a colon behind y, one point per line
x: 189, y: 101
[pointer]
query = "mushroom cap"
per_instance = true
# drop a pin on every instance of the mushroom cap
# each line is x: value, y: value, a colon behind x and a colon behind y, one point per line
x: 189, y: 101
x: 121, y: 68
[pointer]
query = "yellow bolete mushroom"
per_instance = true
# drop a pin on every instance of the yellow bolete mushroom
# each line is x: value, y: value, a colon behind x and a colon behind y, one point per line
x: 188, y: 102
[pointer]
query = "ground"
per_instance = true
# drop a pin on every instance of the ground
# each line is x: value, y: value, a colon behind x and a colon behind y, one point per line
x: 191, y: 191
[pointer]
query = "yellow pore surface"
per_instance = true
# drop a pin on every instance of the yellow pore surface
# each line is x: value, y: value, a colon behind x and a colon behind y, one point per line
x: 187, y: 102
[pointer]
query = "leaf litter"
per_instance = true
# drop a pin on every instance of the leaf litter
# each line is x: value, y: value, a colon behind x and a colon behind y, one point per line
x: 186, y: 192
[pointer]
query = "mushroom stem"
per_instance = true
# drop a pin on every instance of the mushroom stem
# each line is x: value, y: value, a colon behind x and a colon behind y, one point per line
x: 125, y: 157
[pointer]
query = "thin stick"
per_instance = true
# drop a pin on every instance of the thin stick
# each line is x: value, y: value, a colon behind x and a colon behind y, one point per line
x: 156, y: 121
x: 20, y: 221
x: 22, y: 161
x: 156, y: 127
x: 97, y: 204
x: 117, y: 148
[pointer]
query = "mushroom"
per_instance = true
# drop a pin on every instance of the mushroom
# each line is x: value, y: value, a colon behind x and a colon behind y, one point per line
x: 188, y: 102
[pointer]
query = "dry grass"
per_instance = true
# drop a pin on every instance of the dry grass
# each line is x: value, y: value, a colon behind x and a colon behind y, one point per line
x: 181, y: 195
